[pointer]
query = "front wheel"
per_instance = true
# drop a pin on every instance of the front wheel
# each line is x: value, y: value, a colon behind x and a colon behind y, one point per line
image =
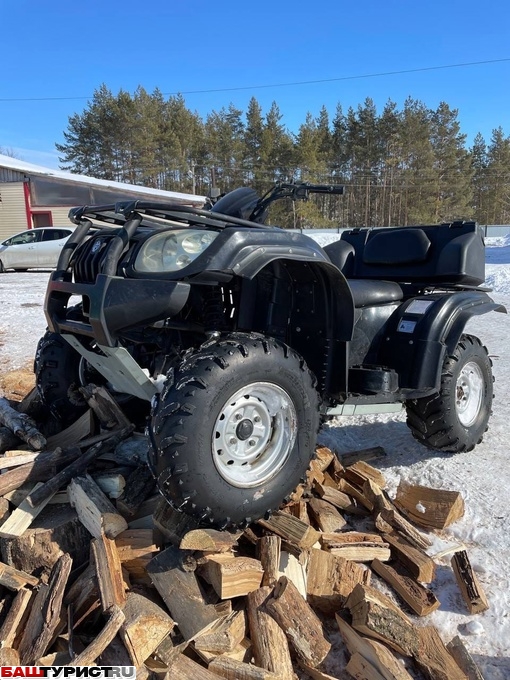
x: 234, y: 429
x: 456, y: 418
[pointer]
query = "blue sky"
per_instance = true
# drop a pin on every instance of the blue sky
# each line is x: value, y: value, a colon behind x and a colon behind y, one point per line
x: 56, y: 53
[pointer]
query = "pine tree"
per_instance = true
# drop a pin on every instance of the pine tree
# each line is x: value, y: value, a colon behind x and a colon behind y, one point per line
x: 498, y: 178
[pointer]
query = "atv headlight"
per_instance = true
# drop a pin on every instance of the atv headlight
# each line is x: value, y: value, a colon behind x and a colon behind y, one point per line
x: 173, y: 250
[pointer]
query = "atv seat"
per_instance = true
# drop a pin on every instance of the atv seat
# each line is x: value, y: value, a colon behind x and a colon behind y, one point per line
x: 367, y: 293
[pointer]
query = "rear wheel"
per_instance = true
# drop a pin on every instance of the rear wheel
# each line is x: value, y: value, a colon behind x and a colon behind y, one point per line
x: 234, y: 429
x: 456, y: 418
x: 2, y: 268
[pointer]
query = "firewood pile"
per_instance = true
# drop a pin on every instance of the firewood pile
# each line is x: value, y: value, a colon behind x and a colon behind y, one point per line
x: 98, y: 570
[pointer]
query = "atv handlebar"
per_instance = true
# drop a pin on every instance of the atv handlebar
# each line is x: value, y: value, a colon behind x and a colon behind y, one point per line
x: 296, y: 192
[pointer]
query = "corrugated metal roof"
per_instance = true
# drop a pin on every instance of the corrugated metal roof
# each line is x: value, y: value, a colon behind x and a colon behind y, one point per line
x: 15, y: 165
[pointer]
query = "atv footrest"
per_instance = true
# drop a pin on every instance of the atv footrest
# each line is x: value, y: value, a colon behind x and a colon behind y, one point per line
x: 368, y: 380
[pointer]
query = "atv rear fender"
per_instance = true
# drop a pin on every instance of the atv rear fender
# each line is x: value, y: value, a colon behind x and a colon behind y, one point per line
x: 423, y: 330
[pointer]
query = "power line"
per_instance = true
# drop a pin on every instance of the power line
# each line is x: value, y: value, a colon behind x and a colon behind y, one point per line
x: 290, y: 84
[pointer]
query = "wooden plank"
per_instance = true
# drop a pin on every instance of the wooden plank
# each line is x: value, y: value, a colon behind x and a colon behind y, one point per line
x: 299, y: 622
x: 436, y: 508
x: 421, y: 600
x: 22, y: 517
x: 270, y: 646
x: 81, y: 428
x: 22, y: 458
x: 468, y: 583
x: 42, y: 469
x: 95, y: 510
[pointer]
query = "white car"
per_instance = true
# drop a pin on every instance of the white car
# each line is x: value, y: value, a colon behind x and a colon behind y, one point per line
x: 39, y: 247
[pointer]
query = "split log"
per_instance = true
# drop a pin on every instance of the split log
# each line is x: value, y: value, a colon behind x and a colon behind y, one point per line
x: 345, y: 487
x: 21, y: 425
x: 269, y: 553
x: 174, y: 525
x: 22, y: 517
x: 75, y: 468
x: 291, y: 529
x: 223, y: 636
x: 358, y: 473
x: 108, y: 412
x: 83, y: 596
x: 464, y: 659
x: 418, y: 563
x: 115, y: 654
x: 208, y: 540
x: 181, y: 593
x: 428, y: 507
x: 316, y: 673
x: 81, y: 428
x: 45, y: 614
x: 42, y: 469
x: 364, y: 455
x: 468, y: 583
x: 326, y: 516
x: 139, y: 486
x: 14, y: 622
x: 300, y: 623
x: 55, y: 531
x: 14, y: 579
x: 331, y: 580
x: 377, y: 496
x: 356, y: 546
x: 108, y: 572
x: 237, y: 670
x: 232, y: 576
x: 136, y: 548
x: 421, y: 600
x: 300, y: 510
x: 335, y: 497
x: 324, y: 457
x: 381, y: 658
x: 112, y: 484
x: 270, y: 646
x: 4, y: 509
x: 361, y: 669
x: 405, y: 529
x: 94, y: 509
x: 294, y: 568
x: 242, y: 652
x: 14, y: 461
x: 101, y: 641
x: 145, y: 627
x: 375, y: 615
x: 434, y: 659
x: 185, y: 668
x: 9, y: 657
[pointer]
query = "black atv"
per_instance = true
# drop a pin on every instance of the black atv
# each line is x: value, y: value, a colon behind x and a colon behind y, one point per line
x: 259, y: 334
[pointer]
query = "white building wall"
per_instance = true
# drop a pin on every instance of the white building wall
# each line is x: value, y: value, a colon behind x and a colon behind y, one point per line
x: 13, y: 217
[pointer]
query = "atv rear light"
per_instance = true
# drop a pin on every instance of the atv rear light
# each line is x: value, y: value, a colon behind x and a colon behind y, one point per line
x: 173, y: 250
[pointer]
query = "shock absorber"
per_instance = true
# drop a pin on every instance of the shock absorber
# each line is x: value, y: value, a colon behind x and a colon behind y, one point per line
x: 214, y: 311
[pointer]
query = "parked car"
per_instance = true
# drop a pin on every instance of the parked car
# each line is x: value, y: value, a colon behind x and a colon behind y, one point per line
x: 33, y: 248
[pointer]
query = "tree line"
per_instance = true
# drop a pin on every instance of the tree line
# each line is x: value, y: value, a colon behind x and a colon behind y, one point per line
x: 399, y: 166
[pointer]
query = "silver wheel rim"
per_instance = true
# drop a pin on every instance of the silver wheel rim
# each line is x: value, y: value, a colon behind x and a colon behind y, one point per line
x: 254, y: 434
x: 469, y: 393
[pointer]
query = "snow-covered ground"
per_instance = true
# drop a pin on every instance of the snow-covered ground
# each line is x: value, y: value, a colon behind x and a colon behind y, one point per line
x: 483, y: 475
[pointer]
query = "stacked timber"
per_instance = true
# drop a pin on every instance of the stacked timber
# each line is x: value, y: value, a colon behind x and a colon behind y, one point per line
x: 96, y: 569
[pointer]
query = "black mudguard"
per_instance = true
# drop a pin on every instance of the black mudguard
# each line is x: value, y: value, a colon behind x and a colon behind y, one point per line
x: 423, y: 330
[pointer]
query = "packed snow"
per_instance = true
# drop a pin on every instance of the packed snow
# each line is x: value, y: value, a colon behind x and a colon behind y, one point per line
x: 482, y: 476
